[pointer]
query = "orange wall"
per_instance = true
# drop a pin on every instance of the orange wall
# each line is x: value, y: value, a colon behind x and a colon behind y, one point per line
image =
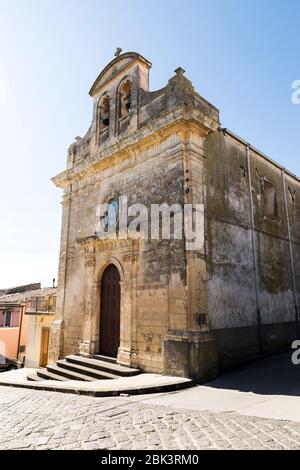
x: 10, y: 337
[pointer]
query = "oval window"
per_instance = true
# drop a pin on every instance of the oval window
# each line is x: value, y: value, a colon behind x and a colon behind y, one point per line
x: 110, y: 219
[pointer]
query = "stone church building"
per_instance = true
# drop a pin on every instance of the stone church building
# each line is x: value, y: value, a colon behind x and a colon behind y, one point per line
x: 151, y: 303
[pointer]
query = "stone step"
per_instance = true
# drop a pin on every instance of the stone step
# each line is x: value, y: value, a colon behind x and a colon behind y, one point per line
x: 97, y: 374
x: 68, y: 374
x: 100, y: 357
x: 34, y: 378
x: 98, y: 364
x: 45, y: 375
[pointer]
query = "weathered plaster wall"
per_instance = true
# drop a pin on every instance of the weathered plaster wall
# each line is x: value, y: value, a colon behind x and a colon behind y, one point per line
x: 231, y: 287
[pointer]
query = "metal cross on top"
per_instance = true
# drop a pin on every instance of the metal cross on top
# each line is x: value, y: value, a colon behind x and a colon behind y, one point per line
x: 118, y: 51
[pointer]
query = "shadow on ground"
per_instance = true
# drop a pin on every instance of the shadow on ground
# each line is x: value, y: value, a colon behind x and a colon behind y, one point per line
x: 275, y: 375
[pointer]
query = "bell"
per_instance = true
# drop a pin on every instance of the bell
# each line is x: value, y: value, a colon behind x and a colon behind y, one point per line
x: 128, y: 102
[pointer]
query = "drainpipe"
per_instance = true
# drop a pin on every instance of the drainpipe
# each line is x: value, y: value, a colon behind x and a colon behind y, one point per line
x: 20, y: 332
x: 253, y: 244
x: 291, y: 252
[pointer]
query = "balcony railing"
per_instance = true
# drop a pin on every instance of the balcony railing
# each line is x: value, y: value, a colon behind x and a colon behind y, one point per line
x: 42, y: 305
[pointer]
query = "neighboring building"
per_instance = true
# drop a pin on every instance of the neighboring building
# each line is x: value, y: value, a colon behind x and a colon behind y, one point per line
x: 153, y: 303
x: 13, y: 330
x: 13, y: 323
x: 40, y: 313
x: 26, y: 314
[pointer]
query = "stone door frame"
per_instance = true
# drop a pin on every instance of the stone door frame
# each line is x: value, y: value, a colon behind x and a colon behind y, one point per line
x: 99, y: 255
x: 98, y: 279
x: 110, y: 312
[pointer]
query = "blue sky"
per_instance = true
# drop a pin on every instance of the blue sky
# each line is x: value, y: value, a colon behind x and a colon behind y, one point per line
x: 242, y: 56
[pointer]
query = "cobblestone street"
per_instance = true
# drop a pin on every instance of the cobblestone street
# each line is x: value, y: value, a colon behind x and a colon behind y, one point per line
x: 48, y: 420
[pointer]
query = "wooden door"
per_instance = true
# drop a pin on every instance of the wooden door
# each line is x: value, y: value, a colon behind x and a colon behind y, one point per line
x: 44, y: 347
x: 110, y: 312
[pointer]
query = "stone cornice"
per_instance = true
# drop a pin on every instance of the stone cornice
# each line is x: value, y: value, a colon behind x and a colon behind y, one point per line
x: 94, y: 243
x: 183, y: 121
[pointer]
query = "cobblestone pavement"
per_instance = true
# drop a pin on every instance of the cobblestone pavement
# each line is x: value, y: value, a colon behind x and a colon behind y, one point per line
x: 31, y: 419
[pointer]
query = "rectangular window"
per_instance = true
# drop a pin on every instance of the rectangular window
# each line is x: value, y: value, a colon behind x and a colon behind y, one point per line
x: 7, y: 321
x: 269, y: 194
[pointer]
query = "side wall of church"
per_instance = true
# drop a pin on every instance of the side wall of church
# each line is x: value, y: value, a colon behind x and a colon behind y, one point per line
x: 231, y: 287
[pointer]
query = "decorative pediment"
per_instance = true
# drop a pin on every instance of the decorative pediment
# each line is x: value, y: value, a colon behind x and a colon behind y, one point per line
x: 116, y: 66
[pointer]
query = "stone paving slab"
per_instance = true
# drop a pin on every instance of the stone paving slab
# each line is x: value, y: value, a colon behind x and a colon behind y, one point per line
x: 33, y: 419
x: 139, y: 384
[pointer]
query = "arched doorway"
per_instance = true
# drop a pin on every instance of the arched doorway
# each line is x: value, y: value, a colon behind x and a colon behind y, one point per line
x: 110, y: 312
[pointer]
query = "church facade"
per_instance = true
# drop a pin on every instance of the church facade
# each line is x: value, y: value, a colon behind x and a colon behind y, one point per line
x: 153, y: 300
